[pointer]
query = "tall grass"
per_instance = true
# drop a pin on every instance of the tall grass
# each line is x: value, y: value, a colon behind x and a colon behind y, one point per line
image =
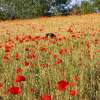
x: 72, y: 59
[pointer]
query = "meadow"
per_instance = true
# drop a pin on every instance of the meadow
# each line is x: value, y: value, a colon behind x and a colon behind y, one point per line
x: 36, y: 67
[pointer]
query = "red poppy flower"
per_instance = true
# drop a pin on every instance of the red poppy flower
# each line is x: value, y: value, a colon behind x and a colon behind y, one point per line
x: 27, y: 49
x: 62, y: 51
x: 31, y: 56
x: 62, y: 85
x: 17, y: 56
x: 17, y: 37
x: 18, y: 70
x: 27, y: 38
x: 19, y: 78
x: 98, y: 51
x: 14, y: 90
x: 7, y: 49
x: 1, y: 85
x: 8, y: 46
x: 88, y: 44
x: 4, y: 61
x: 70, y: 30
x: 73, y: 92
x: 45, y: 97
x: 58, y: 61
x: 33, y: 50
x: 50, y: 53
x: 35, y: 38
x: 56, y: 56
x: 6, y: 57
x: 43, y: 49
x: 26, y: 63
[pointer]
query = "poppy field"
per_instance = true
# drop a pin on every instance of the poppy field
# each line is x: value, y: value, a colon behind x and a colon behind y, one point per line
x: 34, y: 66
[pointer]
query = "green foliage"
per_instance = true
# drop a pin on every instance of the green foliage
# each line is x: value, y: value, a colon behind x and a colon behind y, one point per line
x: 86, y: 7
x: 6, y: 10
x: 24, y: 8
x: 61, y: 1
x: 34, y: 8
x: 96, y: 4
x: 75, y: 10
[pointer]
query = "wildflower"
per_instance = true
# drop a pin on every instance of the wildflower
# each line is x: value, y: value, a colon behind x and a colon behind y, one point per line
x: 17, y: 38
x: 98, y: 51
x: 27, y: 49
x: 6, y: 57
x: 27, y: 38
x: 8, y: 46
x: 62, y: 51
x: 21, y: 41
x: 56, y: 56
x: 73, y: 92
x: 88, y: 44
x: 19, y: 78
x: 18, y: 70
x: 31, y: 56
x: 62, y: 85
x: 70, y: 30
x: 17, y: 56
x: 45, y: 97
x: 34, y: 38
x: 7, y: 49
x: 26, y: 63
x: 1, y: 85
x: 4, y: 61
x: 43, y: 49
x: 33, y: 50
x: 14, y: 90
x: 50, y: 52
x: 58, y: 61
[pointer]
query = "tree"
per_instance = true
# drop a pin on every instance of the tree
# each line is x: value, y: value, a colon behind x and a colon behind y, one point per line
x: 86, y: 7
x: 96, y: 4
x: 29, y: 8
x: 26, y: 8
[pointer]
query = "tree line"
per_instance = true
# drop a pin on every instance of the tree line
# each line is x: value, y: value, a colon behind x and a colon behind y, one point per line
x: 34, y: 8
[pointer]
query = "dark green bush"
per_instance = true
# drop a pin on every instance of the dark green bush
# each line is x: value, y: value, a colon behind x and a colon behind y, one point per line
x: 7, y: 12
x: 21, y: 9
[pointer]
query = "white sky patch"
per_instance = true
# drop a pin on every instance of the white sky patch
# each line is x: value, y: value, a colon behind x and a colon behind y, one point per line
x: 73, y: 2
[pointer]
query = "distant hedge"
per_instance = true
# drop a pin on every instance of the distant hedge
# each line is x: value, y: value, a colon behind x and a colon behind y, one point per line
x: 10, y: 9
x: 21, y: 9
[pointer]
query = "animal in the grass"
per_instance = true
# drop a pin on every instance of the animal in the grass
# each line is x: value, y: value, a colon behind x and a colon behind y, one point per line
x: 51, y: 35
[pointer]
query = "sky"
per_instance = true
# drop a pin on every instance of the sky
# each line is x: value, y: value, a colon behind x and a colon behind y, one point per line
x: 76, y: 2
